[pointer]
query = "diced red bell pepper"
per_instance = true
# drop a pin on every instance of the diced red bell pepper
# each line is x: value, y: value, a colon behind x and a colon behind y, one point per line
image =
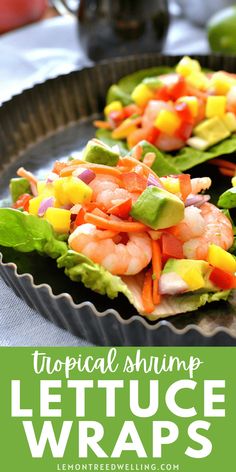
x: 162, y: 94
x: 122, y: 209
x: 222, y: 279
x: 79, y: 220
x: 133, y: 182
x: 184, y: 131
x: 177, y: 89
x: 152, y: 134
x: 23, y: 202
x: 185, y: 185
x: 116, y: 117
x: 131, y: 109
x: 184, y: 112
x: 171, y: 247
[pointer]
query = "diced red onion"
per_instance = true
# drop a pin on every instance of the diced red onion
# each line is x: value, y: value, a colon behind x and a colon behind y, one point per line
x: 45, y: 204
x: 52, y: 177
x: 153, y: 182
x: 87, y: 176
x: 172, y: 284
x: 196, y: 200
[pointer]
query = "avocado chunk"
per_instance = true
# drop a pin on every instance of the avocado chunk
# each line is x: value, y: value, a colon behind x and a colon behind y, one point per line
x: 99, y: 153
x: 18, y: 186
x: 229, y: 121
x: 158, y: 208
x: 212, y: 130
x: 152, y: 82
x: 194, y: 272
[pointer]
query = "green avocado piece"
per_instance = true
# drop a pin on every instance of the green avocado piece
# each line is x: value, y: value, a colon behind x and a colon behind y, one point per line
x: 18, y: 186
x: 99, y: 153
x: 212, y: 130
x: 182, y: 266
x: 153, y: 82
x: 158, y: 208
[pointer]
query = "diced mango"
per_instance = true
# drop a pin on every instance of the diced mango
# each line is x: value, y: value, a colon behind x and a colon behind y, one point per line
x: 194, y: 279
x: 116, y: 105
x: 187, y: 66
x: 41, y: 186
x: 45, y: 189
x: 171, y: 184
x: 221, y: 82
x: 215, y: 106
x: 59, y: 219
x: 192, y: 103
x: 229, y: 120
x: 142, y: 94
x: 198, y: 80
x: 34, y: 204
x: 221, y: 259
x: 71, y: 190
x: 167, y: 122
x: 234, y: 181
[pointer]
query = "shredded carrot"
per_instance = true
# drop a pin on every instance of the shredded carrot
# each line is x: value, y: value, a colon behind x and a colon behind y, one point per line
x: 227, y: 172
x: 102, y: 124
x: 128, y: 160
x: 115, y: 225
x: 223, y: 164
x: 185, y: 185
x: 149, y: 159
x: 27, y: 175
x: 147, y: 292
x: 99, y: 212
x: 97, y: 168
x: 106, y: 234
x: 156, y: 270
x: 137, y: 152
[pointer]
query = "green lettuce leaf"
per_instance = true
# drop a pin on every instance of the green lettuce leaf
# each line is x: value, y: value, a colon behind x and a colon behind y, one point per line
x: 105, y: 136
x: 27, y: 233
x: 189, y: 157
x: 228, y: 199
x: 80, y: 268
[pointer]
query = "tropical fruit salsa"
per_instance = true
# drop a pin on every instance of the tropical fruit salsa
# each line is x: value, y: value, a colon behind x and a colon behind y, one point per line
x: 185, y: 107
x: 156, y: 239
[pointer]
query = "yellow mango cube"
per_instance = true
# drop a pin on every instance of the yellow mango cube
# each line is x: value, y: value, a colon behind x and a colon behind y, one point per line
x: 221, y: 82
x: 41, y: 186
x: 71, y: 190
x: 215, y: 106
x: 198, y: 80
x: 186, y: 66
x: 194, y: 279
x: 192, y: 103
x: 167, y: 122
x: 34, y: 204
x: 234, y: 181
x: 171, y: 184
x: 221, y: 259
x: 59, y: 219
x: 116, y: 105
x: 142, y: 94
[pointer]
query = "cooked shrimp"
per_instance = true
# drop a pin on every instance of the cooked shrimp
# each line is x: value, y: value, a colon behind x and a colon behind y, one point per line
x: 106, y: 190
x: 118, y: 258
x: 200, y: 183
x: 201, y: 227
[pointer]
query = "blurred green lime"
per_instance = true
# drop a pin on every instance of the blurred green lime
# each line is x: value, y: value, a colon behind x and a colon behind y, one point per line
x: 221, y: 30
